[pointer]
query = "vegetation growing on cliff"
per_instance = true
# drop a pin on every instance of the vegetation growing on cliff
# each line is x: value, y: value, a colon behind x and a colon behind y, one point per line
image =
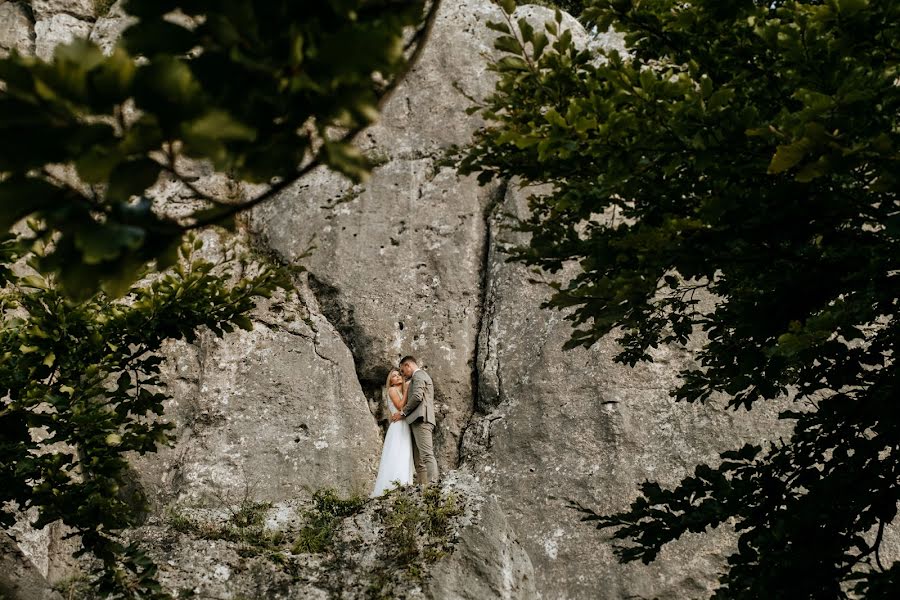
x: 747, y: 151
x: 82, y: 390
x: 400, y: 535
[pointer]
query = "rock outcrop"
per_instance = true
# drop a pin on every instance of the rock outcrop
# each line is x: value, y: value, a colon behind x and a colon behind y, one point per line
x: 398, y: 263
x: 451, y: 542
x: 16, y: 29
x: 20, y: 578
x: 559, y: 426
x: 50, y: 30
x: 277, y: 410
x: 411, y: 262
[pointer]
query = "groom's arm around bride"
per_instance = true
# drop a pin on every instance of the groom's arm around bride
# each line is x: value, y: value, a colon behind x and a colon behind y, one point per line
x: 421, y: 395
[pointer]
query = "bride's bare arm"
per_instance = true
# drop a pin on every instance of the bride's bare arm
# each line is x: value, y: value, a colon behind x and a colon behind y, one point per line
x: 398, y: 401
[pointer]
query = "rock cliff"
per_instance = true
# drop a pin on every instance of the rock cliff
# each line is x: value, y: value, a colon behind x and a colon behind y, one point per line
x: 411, y: 262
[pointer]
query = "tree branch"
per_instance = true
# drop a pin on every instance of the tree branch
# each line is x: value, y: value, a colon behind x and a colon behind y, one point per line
x: 419, y: 38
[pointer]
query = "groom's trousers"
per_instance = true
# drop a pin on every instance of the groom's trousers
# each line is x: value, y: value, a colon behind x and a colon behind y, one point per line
x: 423, y: 452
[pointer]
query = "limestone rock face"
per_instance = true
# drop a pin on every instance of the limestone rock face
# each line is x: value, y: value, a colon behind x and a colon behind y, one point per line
x: 108, y: 28
x: 19, y: 577
x: 275, y: 412
x: 489, y: 561
x: 60, y: 28
x: 574, y: 425
x: 398, y: 263
x: 477, y: 558
x: 16, y: 29
x: 83, y: 9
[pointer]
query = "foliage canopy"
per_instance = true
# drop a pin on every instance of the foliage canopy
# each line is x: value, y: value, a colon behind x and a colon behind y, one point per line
x: 264, y: 91
x: 749, y: 150
x: 82, y: 390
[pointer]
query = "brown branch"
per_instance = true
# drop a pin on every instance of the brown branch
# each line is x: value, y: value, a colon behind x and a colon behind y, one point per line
x: 171, y: 167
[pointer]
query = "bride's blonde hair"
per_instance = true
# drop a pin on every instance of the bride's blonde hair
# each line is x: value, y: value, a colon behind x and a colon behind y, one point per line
x: 385, y: 393
x: 387, y: 384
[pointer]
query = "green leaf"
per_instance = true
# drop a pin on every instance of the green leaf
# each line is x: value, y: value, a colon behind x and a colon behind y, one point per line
x: 648, y: 79
x: 34, y: 281
x: 96, y: 165
x: 706, y: 86
x: 207, y: 136
x: 498, y: 26
x: 540, y: 43
x: 157, y: 36
x: 720, y: 98
x: 144, y: 135
x: 850, y: 7
x: 99, y: 243
x: 553, y: 116
x: 168, y: 88
x: 508, y: 6
x: 21, y: 196
x: 526, y: 29
x: 348, y: 160
x: 243, y: 322
x: 110, y: 83
x: 132, y: 178
x: 512, y: 63
x: 812, y: 170
x: 78, y: 56
x: 788, y: 155
x: 506, y: 43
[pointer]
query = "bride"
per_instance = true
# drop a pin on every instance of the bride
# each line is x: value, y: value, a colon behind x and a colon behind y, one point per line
x: 396, y: 466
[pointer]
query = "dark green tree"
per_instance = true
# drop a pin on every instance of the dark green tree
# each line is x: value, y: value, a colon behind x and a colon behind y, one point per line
x: 82, y: 390
x: 264, y: 91
x: 573, y: 7
x: 748, y: 151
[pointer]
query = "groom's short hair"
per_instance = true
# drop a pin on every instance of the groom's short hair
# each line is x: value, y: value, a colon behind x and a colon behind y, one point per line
x: 408, y: 358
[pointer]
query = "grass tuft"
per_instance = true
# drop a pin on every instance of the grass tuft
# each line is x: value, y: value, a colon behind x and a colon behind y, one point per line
x: 323, y: 519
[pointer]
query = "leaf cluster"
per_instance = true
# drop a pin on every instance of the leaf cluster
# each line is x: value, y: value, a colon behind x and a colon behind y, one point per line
x: 82, y: 390
x: 746, y: 151
x: 262, y: 91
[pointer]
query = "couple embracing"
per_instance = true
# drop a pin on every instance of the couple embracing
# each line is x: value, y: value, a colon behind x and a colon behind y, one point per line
x: 408, y: 445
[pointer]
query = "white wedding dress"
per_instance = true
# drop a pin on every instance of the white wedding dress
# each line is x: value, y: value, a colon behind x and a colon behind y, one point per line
x: 396, y: 466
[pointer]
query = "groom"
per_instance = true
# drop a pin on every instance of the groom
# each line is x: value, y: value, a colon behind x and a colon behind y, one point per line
x: 419, y: 413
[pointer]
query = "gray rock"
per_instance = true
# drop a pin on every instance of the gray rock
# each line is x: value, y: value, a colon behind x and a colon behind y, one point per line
x: 47, y: 551
x: 574, y: 425
x: 108, y: 28
x: 20, y: 579
x: 480, y: 556
x: 60, y: 28
x: 489, y: 561
x: 81, y: 9
x: 276, y: 411
x: 398, y: 262
x: 16, y: 29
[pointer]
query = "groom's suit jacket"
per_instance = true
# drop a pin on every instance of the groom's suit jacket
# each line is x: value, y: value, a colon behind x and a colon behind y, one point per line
x: 420, y: 399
